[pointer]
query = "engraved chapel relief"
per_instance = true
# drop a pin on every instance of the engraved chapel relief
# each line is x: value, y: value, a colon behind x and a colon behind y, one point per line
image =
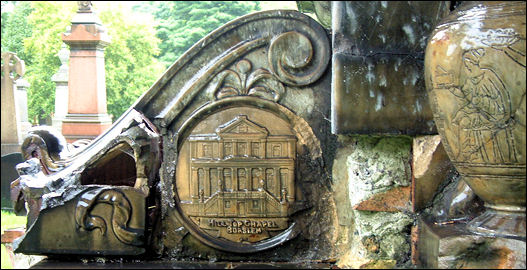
x: 239, y: 173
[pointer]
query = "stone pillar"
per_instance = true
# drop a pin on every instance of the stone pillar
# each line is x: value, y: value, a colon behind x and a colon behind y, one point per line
x: 23, y: 125
x: 61, y: 91
x: 87, y: 114
x: 12, y: 70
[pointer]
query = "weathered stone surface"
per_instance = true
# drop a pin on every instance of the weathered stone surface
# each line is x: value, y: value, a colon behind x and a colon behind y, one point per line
x: 384, y: 235
x: 380, y: 239
x: 102, y: 263
x: 340, y: 179
x: 378, y: 165
x: 100, y: 220
x: 377, y: 83
x: 430, y: 167
x: 452, y: 246
x: 379, y: 95
x: 351, y: 262
x: 370, y: 173
x: 234, y: 71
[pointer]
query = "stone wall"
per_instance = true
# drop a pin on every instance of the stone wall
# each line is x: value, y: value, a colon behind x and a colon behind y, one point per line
x: 373, y: 176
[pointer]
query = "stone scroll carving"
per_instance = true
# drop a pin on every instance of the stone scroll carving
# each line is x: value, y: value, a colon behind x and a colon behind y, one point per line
x: 258, y: 55
x: 293, y: 61
x: 119, y: 215
x: 295, y: 67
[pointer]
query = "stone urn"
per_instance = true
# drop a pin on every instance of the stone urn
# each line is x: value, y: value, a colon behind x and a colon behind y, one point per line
x: 475, y: 77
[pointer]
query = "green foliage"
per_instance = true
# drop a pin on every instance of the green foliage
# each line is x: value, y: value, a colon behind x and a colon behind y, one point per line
x: 183, y: 23
x: 131, y: 67
x: 33, y: 31
x: 10, y: 220
x: 139, y: 44
x: 15, y: 28
x: 48, y: 20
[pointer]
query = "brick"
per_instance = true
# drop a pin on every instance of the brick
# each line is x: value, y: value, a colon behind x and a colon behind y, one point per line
x: 394, y: 200
x: 10, y: 235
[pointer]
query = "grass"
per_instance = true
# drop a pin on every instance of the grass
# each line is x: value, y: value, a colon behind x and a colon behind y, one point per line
x: 10, y: 221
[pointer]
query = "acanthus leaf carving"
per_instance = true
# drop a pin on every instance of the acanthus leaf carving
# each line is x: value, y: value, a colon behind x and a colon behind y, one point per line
x: 241, y: 82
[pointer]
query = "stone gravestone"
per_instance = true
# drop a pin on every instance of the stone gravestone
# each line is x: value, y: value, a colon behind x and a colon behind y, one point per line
x: 14, y: 119
x: 87, y: 115
x: 230, y: 155
x: 242, y: 177
x: 9, y: 174
x: 14, y: 103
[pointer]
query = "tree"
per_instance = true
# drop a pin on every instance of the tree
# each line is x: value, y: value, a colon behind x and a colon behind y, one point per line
x: 183, y: 23
x: 48, y: 21
x: 131, y: 66
x: 33, y: 30
x: 15, y: 28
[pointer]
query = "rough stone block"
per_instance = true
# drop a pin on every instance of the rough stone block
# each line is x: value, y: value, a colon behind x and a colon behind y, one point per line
x: 379, y: 174
x: 362, y: 263
x: 340, y: 179
x: 430, y: 167
x: 383, y: 235
x: 450, y: 245
x: 380, y: 240
x: 377, y: 63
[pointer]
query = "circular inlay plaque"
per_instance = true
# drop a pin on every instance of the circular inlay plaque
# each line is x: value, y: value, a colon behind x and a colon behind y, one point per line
x: 235, y: 179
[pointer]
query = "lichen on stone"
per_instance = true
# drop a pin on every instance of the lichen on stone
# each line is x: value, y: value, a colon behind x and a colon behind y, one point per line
x: 378, y: 164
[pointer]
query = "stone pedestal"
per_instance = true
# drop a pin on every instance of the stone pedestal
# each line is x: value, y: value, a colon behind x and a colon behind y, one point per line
x: 61, y: 92
x: 450, y: 245
x: 87, y: 114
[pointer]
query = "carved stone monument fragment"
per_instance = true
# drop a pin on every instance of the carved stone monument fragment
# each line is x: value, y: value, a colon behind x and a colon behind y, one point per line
x: 475, y: 74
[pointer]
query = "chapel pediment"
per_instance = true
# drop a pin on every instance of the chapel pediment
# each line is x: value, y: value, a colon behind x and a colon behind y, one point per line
x: 241, y: 126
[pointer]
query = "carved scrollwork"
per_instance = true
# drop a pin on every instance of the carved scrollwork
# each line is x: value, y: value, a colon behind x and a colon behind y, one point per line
x: 120, y: 215
x: 242, y: 82
x: 294, y: 61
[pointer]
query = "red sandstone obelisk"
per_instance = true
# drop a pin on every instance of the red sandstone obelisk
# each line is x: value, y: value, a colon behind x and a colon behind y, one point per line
x: 87, y: 114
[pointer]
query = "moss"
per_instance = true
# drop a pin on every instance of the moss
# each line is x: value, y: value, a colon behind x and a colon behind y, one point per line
x: 383, y: 235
